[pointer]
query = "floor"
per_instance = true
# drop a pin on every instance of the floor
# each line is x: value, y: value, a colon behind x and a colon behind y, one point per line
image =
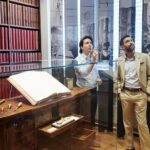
x: 109, y: 141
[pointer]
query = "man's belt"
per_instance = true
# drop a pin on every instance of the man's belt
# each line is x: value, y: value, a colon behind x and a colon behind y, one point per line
x: 132, y: 89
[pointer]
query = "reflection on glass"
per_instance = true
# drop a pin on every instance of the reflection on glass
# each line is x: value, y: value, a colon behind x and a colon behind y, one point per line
x: 106, y: 30
x: 146, y: 27
x: 87, y: 18
x: 127, y: 20
x: 127, y: 27
x: 71, y: 29
x: 56, y: 29
x: 107, y: 117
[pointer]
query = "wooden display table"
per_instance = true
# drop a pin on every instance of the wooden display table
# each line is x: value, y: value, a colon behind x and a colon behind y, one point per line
x: 18, y: 129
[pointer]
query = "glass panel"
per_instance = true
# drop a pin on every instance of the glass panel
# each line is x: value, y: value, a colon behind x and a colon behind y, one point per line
x: 146, y: 27
x: 107, y: 99
x: 71, y: 29
x: 127, y: 27
x: 56, y: 29
x: 146, y: 41
x: 106, y: 29
x: 61, y: 71
x: 127, y: 19
x: 87, y: 18
x: 57, y: 63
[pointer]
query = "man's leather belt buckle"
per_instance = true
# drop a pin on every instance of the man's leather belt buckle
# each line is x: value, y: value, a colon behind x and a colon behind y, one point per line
x: 132, y: 89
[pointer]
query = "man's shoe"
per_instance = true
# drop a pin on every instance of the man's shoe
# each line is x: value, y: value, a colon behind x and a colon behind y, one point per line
x: 131, y: 149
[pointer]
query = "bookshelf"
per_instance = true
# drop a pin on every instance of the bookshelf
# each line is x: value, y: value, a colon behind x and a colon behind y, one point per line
x: 19, y: 38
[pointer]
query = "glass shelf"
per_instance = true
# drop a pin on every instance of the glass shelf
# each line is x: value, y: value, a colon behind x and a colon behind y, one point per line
x: 54, y: 64
x: 41, y: 65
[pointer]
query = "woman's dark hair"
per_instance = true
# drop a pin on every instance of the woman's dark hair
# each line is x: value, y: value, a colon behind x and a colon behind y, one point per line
x: 121, y: 41
x: 82, y: 40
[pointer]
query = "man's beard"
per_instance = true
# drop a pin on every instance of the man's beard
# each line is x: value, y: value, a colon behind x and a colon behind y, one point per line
x: 131, y: 48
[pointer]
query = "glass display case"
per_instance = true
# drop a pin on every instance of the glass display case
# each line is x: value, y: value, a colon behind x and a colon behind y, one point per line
x: 28, y: 125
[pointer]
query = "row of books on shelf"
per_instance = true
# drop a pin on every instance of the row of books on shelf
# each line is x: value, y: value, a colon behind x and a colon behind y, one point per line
x: 6, y: 89
x: 3, y: 12
x: 19, y: 15
x: 23, y: 15
x: 19, y: 57
x: 6, y: 69
x: 33, y: 2
x: 19, y: 39
x: 25, y: 57
x: 4, y: 38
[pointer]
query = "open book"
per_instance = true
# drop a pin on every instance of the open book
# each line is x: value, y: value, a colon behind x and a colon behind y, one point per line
x: 36, y: 86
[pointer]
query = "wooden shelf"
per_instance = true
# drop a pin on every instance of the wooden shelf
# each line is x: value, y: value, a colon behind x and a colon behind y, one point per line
x: 4, y: 25
x: 3, y: 64
x: 23, y: 51
x: 18, y: 51
x: 23, y: 63
x: 46, y: 129
x: 23, y: 27
x: 25, y: 4
x: 82, y: 138
x: 4, y: 50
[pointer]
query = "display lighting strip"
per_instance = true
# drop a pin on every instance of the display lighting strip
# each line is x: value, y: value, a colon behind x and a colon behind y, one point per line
x: 64, y: 37
x: 96, y: 15
x: 116, y: 30
x: 79, y: 23
x: 138, y: 25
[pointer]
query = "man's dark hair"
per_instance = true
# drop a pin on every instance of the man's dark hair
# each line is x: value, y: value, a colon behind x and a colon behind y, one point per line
x: 121, y: 41
x: 107, y: 44
x: 82, y: 40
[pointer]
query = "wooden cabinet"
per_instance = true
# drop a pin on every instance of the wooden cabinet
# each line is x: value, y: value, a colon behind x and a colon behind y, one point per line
x: 3, y: 139
x: 85, y: 107
x: 71, y: 136
x: 18, y: 133
x: 43, y: 116
x: 66, y: 108
x: 18, y: 130
x: 60, y: 142
x: 82, y: 139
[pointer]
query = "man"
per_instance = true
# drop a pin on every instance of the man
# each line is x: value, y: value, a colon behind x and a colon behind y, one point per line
x: 87, y: 75
x: 134, y: 86
x: 105, y: 53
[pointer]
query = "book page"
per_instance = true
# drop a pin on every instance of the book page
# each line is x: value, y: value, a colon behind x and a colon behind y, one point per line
x: 37, y: 85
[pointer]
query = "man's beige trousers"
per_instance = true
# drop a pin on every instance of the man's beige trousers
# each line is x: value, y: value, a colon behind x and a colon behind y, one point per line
x: 135, y: 102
